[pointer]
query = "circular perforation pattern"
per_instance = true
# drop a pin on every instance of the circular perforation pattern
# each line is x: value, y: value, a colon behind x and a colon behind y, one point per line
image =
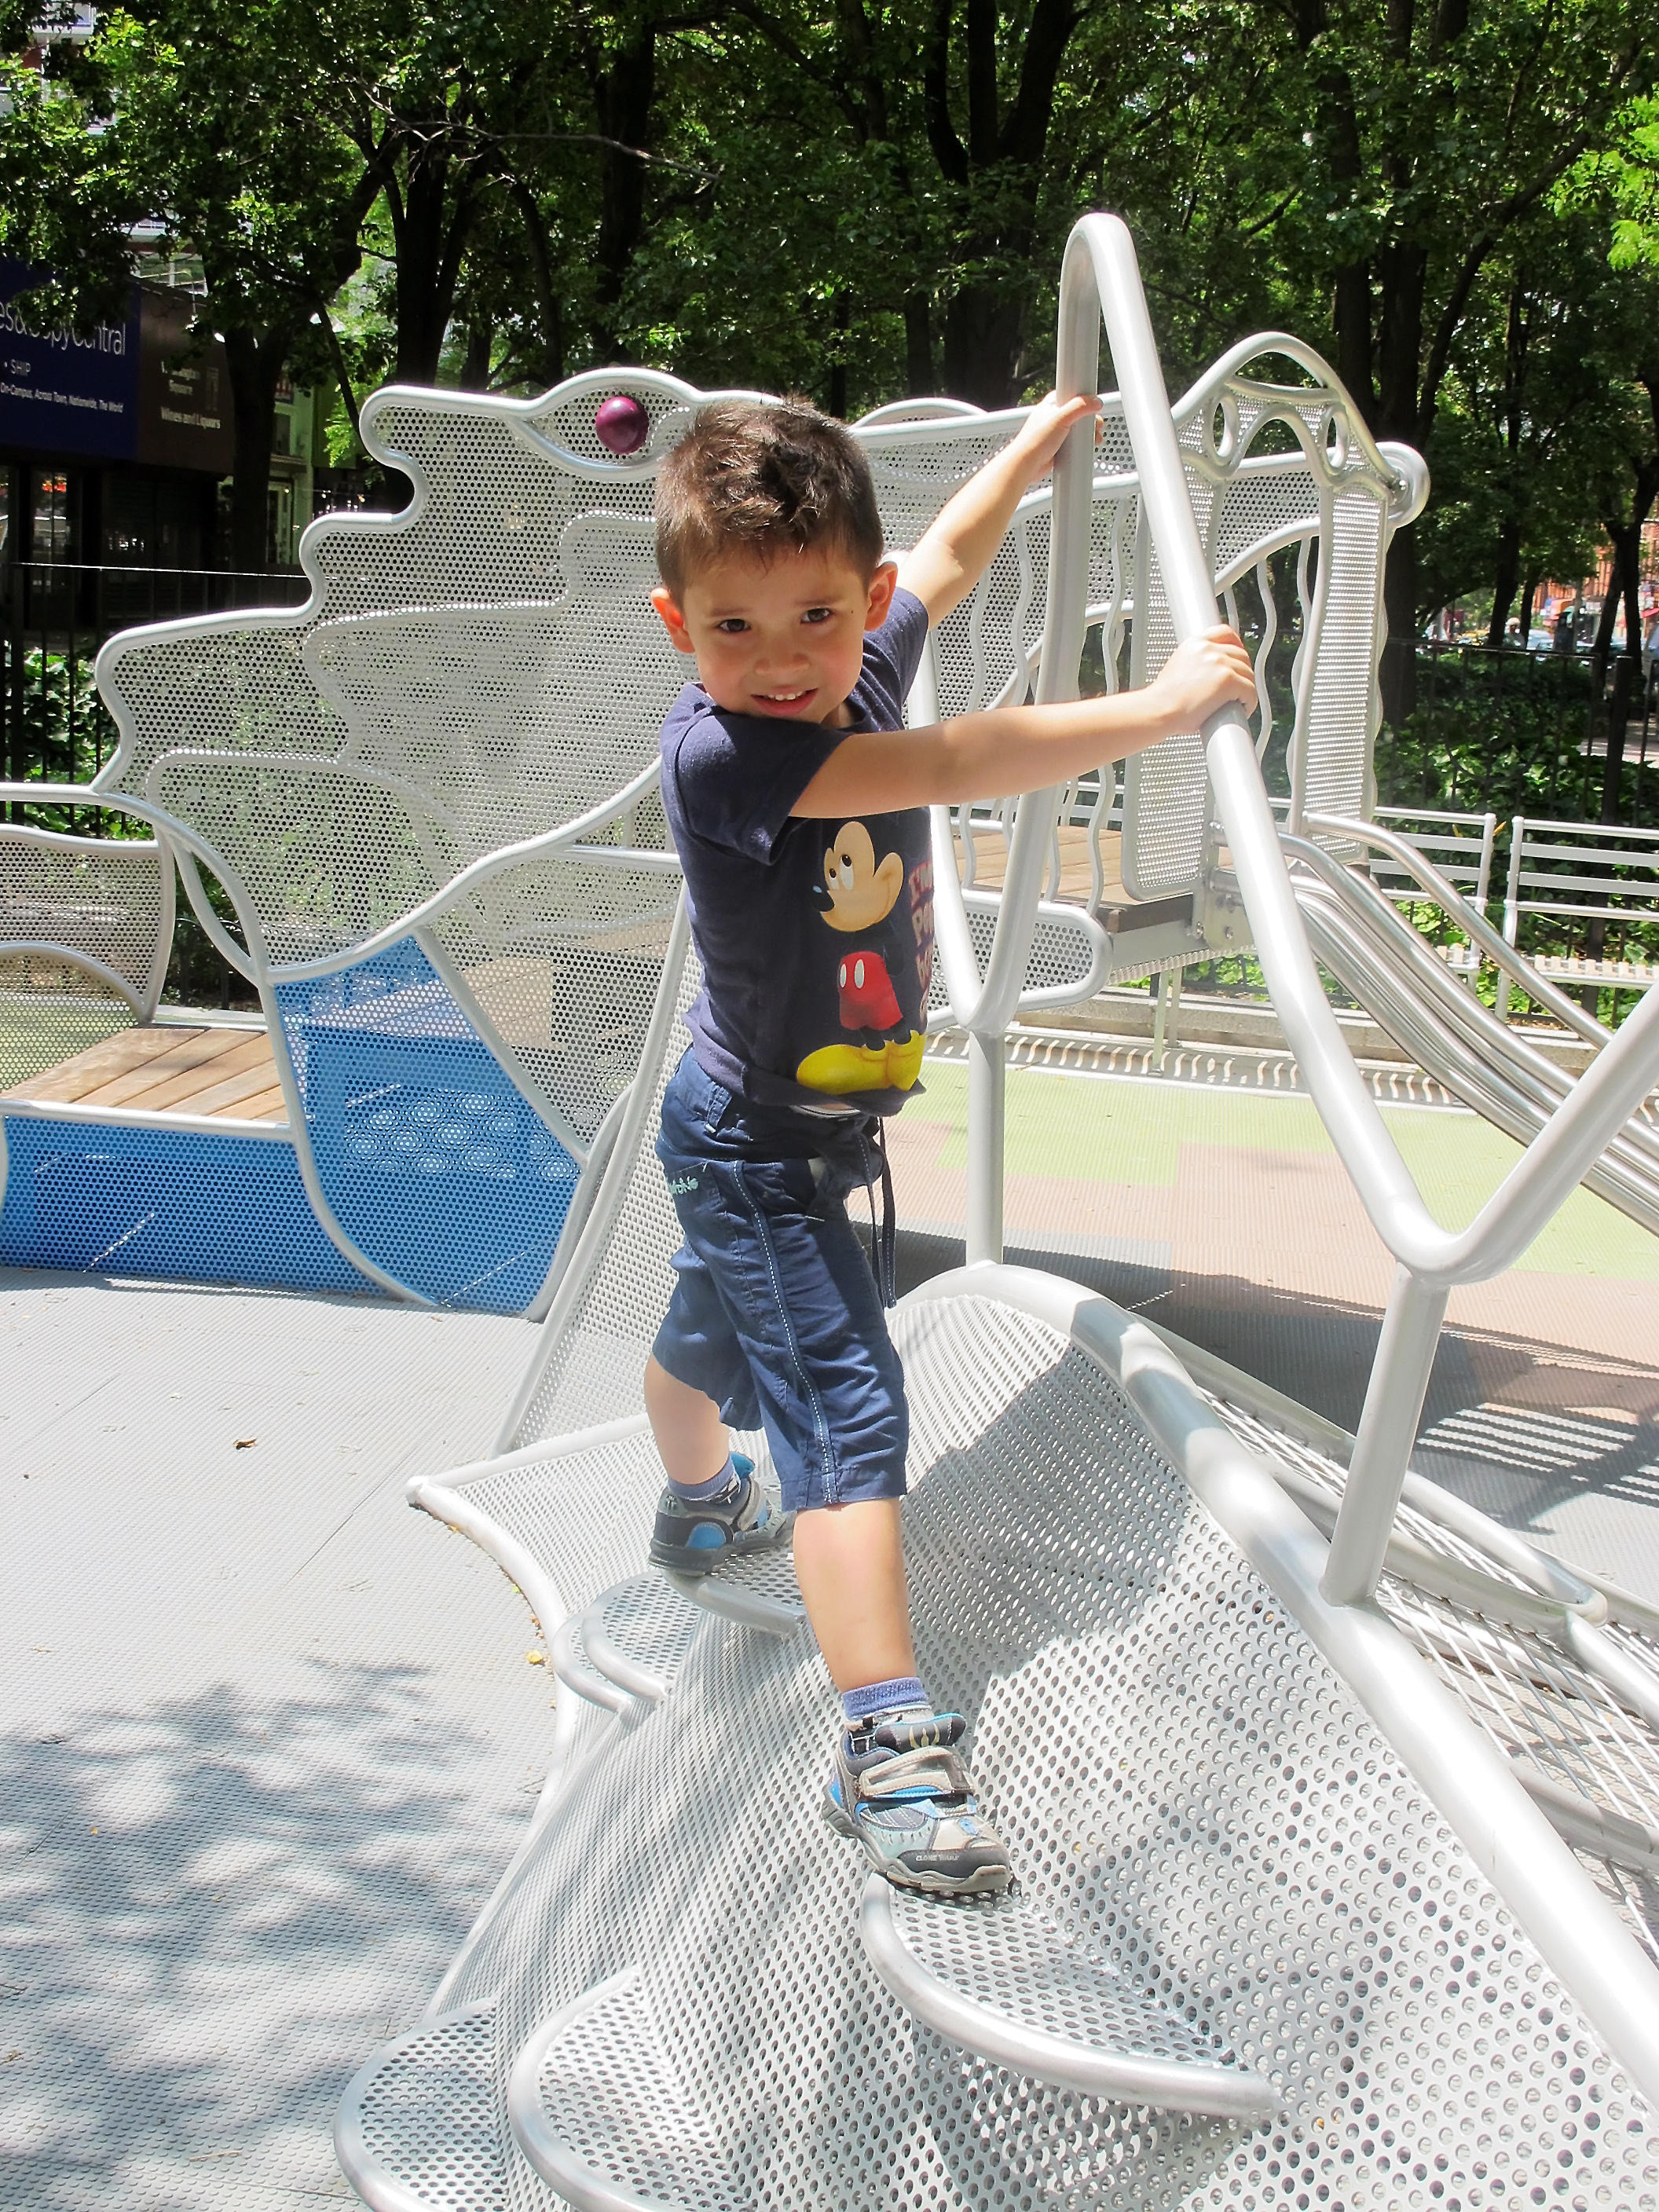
x: 429, y: 2117
x: 1540, y: 1706
x: 649, y: 1622
x: 1034, y: 1969
x: 99, y: 897
x: 40, y: 1026
x: 1189, y: 1795
x: 487, y: 666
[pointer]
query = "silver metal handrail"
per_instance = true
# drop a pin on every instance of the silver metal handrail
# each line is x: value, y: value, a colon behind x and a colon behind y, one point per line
x: 1101, y: 281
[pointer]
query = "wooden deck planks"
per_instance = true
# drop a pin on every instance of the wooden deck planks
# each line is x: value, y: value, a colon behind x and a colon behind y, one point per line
x: 99, y: 1063
x: 1076, y: 883
x: 225, y: 1074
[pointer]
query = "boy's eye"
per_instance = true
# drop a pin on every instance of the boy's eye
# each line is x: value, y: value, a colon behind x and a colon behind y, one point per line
x: 817, y: 614
x: 731, y: 626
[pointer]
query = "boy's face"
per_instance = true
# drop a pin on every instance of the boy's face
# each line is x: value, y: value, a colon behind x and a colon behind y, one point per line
x: 783, y: 637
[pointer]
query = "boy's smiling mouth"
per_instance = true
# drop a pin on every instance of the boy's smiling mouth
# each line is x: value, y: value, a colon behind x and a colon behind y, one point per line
x: 785, y: 698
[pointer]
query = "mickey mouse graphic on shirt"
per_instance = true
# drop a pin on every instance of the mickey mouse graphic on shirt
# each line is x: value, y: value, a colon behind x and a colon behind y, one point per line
x: 881, y: 1046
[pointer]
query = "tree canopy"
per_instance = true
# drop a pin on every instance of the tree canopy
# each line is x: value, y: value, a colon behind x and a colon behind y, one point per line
x: 1457, y: 200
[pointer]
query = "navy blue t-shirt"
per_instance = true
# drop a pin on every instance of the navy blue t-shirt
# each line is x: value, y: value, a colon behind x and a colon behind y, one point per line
x: 816, y: 938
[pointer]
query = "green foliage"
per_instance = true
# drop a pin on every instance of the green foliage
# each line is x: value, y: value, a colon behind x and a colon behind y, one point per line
x: 1457, y: 200
x: 64, y: 732
x: 1499, y: 731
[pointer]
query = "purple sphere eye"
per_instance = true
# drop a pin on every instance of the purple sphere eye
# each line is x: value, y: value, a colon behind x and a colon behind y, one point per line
x: 621, y: 424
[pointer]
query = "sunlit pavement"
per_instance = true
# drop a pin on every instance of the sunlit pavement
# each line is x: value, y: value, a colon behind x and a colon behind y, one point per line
x: 267, y: 1738
x: 1227, y: 1217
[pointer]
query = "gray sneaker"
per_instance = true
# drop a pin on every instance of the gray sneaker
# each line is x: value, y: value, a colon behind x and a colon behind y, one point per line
x: 695, y: 1539
x: 903, y: 1791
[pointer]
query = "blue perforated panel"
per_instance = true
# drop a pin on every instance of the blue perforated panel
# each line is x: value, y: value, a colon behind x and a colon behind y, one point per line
x: 434, y: 1164
x: 174, y: 1203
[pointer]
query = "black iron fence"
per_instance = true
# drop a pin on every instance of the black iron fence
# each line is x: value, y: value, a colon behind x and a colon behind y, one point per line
x: 1499, y: 730
x: 53, y: 727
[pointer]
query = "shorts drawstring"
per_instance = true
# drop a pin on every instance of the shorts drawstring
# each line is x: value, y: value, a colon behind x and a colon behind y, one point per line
x: 883, y: 1243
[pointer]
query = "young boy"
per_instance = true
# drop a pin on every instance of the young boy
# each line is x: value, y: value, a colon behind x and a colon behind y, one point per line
x: 797, y: 804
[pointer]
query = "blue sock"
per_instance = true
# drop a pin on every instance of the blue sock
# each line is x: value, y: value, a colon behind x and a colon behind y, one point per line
x: 904, y: 1693
x: 720, y: 1484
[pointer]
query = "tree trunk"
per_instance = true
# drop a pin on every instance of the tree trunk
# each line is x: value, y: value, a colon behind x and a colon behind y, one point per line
x: 1505, y: 577
x: 918, y: 347
x: 1529, y: 593
x: 551, y: 367
x: 1601, y: 650
x: 1626, y: 671
x: 983, y: 332
x: 624, y: 96
x: 480, y: 346
x: 431, y: 230
x: 254, y: 360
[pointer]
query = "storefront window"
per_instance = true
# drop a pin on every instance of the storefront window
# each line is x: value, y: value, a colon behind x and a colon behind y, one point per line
x: 129, y: 518
x: 52, y: 534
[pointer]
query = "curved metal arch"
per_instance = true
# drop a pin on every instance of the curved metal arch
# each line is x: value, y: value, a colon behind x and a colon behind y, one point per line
x: 12, y: 946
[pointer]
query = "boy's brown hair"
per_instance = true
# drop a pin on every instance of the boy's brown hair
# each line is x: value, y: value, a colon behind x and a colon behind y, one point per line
x: 758, y: 477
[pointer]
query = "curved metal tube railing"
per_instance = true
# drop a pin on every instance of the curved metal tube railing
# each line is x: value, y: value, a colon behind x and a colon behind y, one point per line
x: 1101, y: 283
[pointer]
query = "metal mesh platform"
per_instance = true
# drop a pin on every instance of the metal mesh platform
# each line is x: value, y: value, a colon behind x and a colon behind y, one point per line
x: 1197, y: 1807
x: 1582, y: 1746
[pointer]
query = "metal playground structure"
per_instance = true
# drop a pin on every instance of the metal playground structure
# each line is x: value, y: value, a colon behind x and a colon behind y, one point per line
x: 1334, y: 1803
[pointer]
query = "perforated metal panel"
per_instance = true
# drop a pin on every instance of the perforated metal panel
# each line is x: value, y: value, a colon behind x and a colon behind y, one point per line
x: 1199, y: 1812
x: 1271, y: 468
x: 1343, y: 710
x: 1195, y: 1806
x: 176, y: 1203
x: 432, y: 1163
x: 41, y: 1023
x: 76, y: 901
x: 1562, y: 1724
x: 108, y: 898
x: 435, y: 2116
x: 594, y: 1362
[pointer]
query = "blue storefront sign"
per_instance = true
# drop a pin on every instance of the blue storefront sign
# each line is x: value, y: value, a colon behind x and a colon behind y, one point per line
x: 63, y: 394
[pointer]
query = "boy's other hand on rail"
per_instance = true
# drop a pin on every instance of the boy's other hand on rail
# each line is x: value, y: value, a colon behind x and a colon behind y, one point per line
x: 1046, y: 429
x: 1206, y: 673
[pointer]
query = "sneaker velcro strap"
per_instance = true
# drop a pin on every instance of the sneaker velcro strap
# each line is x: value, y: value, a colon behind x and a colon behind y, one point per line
x: 917, y: 1734
x: 930, y: 1773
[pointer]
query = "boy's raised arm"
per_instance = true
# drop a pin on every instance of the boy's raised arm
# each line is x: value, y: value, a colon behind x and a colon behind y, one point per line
x: 1008, y: 749
x: 953, y: 552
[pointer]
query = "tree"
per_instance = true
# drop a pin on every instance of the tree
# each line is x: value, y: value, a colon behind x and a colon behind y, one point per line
x: 1392, y: 150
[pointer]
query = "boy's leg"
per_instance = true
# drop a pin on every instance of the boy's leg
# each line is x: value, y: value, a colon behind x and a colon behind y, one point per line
x: 824, y: 1381
x: 849, y: 1562
x: 898, y: 1782
x: 776, y: 1321
x: 713, y: 1509
x: 687, y: 1425
x: 849, y: 1559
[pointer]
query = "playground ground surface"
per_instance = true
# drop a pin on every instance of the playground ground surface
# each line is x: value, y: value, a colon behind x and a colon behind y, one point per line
x: 267, y: 1738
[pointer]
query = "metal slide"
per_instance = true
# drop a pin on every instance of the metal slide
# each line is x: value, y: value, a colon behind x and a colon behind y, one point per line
x: 1374, y: 953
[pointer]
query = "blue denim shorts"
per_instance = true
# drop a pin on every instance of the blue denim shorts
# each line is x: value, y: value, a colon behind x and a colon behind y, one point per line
x: 775, y: 1313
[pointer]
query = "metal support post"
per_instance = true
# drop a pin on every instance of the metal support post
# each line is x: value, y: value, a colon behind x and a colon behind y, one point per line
x: 1388, y: 1430
x: 988, y: 1080
x: 1165, y: 1019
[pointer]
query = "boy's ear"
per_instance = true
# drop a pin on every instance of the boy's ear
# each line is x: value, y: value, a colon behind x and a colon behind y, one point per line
x: 672, y: 620
x: 880, y: 600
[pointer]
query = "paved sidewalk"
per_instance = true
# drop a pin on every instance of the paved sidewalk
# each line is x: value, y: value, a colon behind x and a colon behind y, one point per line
x: 267, y: 1737
x: 1228, y: 1217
